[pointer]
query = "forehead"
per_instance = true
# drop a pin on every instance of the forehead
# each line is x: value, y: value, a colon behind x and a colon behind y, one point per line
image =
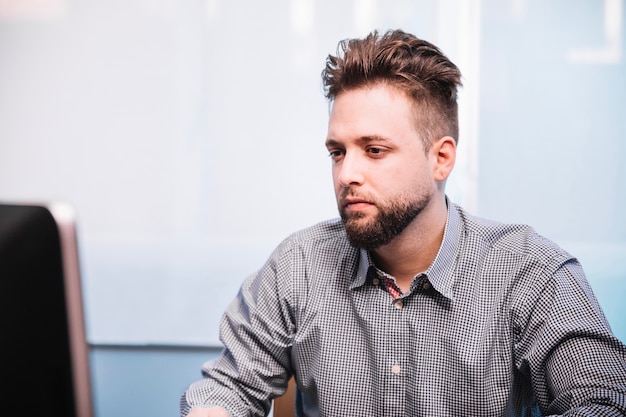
x: 373, y: 111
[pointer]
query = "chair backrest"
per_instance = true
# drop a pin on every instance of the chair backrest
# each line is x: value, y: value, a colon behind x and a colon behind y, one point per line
x: 284, y: 406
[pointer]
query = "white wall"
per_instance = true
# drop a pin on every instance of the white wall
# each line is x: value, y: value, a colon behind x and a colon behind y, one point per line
x: 189, y: 135
x: 552, y: 123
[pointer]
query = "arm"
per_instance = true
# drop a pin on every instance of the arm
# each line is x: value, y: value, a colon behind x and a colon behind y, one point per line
x: 576, y: 365
x: 256, y: 330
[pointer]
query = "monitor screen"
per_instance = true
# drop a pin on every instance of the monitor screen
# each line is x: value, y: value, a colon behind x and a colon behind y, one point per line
x: 45, y: 359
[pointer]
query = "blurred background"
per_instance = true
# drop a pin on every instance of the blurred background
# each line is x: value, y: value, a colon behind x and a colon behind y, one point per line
x: 189, y: 137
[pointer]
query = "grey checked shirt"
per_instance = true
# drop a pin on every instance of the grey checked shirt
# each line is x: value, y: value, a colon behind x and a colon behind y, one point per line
x: 503, y: 323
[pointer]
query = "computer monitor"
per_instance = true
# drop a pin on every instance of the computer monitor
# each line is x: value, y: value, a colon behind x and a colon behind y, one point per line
x: 44, y: 358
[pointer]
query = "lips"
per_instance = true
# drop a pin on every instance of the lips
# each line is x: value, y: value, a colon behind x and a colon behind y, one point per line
x: 352, y: 200
x: 355, y: 203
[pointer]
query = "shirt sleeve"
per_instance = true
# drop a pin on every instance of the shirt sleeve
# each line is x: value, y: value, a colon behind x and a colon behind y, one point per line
x: 256, y: 331
x: 565, y: 346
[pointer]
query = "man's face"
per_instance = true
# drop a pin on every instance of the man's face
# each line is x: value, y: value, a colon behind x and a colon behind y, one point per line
x: 383, y: 178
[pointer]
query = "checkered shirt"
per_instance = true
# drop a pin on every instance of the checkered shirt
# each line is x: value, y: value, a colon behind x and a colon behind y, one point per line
x: 502, y: 323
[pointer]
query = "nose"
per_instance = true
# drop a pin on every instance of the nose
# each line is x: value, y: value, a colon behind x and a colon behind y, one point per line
x: 349, y: 171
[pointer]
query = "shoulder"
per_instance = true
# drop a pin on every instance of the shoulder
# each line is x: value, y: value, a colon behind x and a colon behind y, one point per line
x: 517, y: 241
x: 308, y: 261
x: 518, y: 263
x: 324, y: 234
x: 317, y: 248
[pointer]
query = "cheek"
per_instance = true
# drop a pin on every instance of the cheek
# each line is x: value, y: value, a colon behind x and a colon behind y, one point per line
x: 335, y: 178
x: 419, y: 180
x: 336, y: 185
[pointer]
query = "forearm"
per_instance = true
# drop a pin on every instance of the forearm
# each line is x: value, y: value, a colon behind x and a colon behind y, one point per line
x: 254, y: 367
x: 577, y: 364
x: 209, y: 394
x: 225, y: 388
x: 593, y: 386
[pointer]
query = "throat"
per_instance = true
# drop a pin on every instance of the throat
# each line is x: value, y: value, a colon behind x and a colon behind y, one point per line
x: 404, y: 282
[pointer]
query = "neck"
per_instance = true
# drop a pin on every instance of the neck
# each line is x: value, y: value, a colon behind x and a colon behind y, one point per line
x: 415, y: 249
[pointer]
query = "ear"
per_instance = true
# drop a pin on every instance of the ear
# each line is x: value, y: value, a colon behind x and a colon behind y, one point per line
x: 444, y: 153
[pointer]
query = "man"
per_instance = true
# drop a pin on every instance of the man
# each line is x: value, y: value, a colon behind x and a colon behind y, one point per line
x: 408, y: 305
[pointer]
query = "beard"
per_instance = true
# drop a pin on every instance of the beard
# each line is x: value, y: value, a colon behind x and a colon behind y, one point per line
x: 390, y: 221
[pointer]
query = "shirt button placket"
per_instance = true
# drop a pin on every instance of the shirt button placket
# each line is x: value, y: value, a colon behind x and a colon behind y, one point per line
x: 396, y: 378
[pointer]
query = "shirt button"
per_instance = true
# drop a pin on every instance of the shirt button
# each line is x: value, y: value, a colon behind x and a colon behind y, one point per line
x: 398, y: 304
x: 426, y: 285
x: 395, y: 369
x: 375, y: 281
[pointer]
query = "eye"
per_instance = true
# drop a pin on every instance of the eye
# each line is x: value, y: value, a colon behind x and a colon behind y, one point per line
x: 335, y: 154
x: 376, y: 152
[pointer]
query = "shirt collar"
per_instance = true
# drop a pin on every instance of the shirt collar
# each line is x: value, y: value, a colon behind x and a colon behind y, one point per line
x: 440, y: 273
x: 365, y: 264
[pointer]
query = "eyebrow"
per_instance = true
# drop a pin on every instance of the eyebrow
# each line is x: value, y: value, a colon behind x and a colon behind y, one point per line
x: 362, y: 140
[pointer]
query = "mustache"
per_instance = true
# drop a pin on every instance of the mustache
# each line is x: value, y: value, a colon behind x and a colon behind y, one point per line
x: 352, y: 193
x: 349, y: 196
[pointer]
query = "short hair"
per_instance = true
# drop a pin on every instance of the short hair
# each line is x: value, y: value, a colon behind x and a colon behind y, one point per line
x: 414, y: 66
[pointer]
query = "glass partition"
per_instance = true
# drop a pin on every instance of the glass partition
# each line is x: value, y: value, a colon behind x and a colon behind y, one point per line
x: 189, y: 135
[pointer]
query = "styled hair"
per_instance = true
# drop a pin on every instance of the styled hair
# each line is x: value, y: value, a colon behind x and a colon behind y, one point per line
x: 412, y: 65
